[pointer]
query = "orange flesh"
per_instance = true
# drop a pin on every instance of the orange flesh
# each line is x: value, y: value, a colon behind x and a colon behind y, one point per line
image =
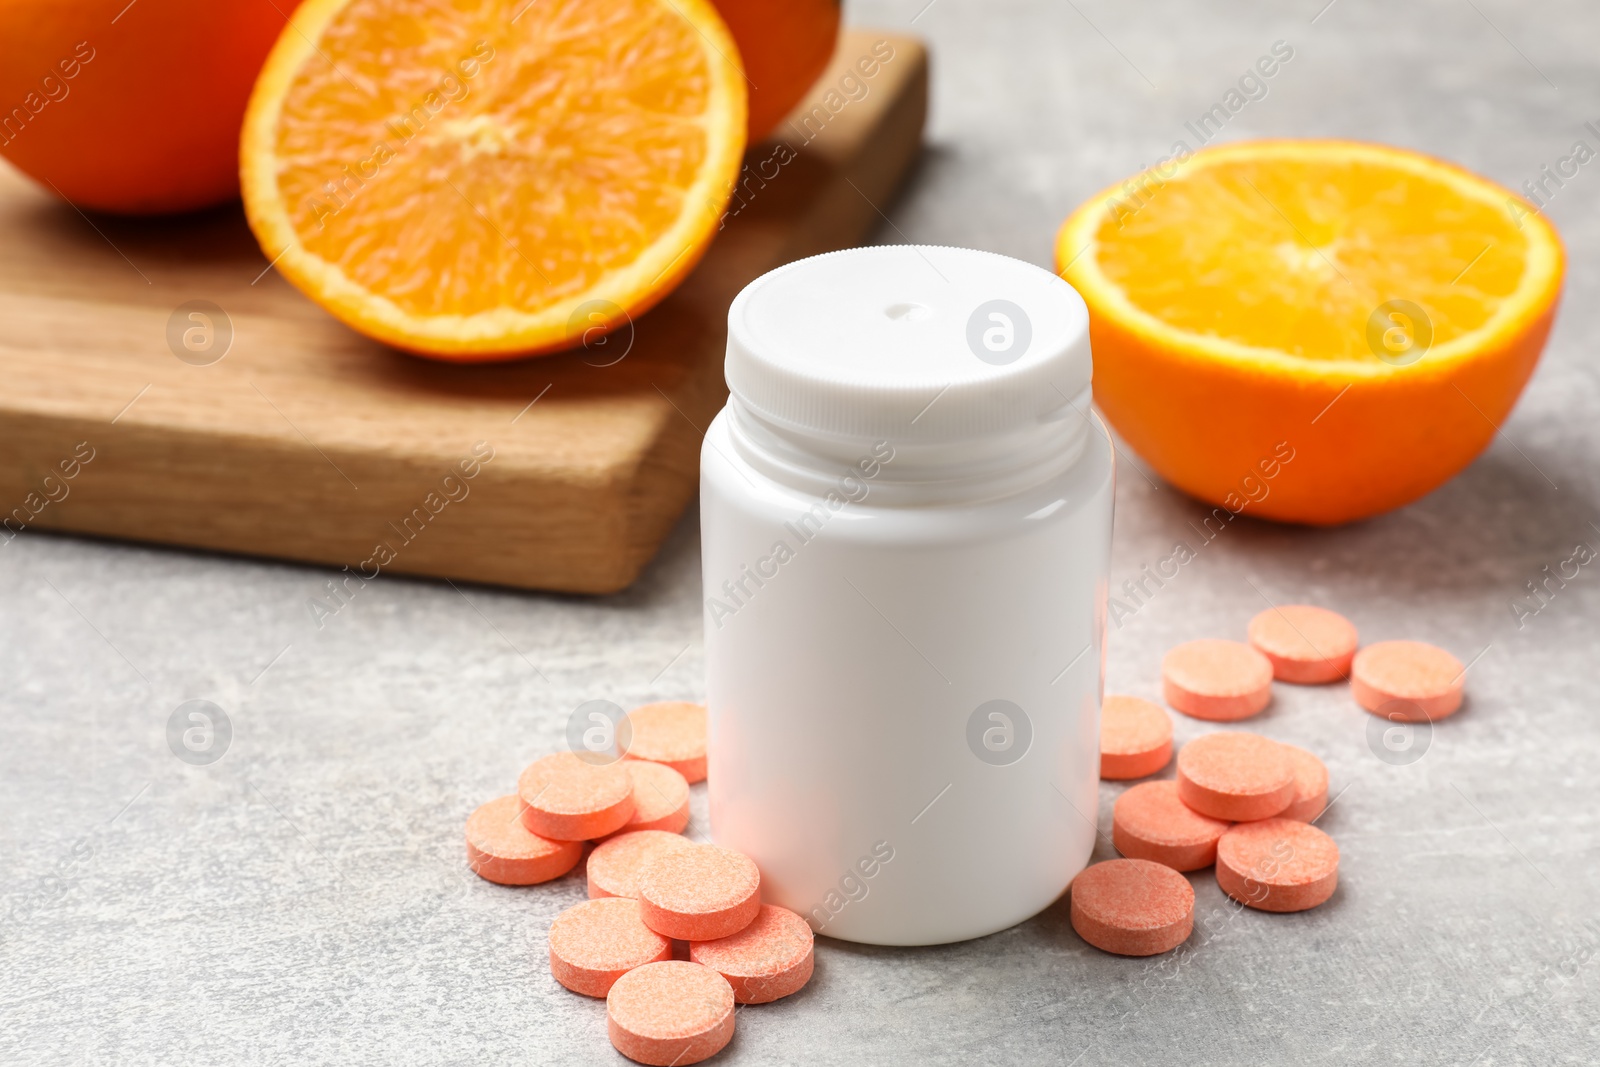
x: 484, y: 162
x: 1293, y: 255
x: 1231, y: 281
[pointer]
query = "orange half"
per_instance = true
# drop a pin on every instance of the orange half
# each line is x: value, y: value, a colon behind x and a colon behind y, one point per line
x: 1311, y: 331
x: 490, y: 179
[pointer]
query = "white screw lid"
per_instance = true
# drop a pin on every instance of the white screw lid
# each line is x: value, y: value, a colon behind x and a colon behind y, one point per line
x: 907, y: 341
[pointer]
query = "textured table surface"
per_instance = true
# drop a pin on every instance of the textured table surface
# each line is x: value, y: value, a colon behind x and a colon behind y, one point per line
x: 304, y: 898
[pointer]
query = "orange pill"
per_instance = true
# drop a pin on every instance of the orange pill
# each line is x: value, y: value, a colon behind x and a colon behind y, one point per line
x: 671, y: 732
x: 1277, y: 865
x: 1135, y: 737
x: 594, y: 943
x: 567, y: 798
x: 500, y: 849
x: 1310, y: 785
x: 1235, y: 776
x: 700, y: 893
x: 617, y: 863
x: 1132, y: 907
x: 670, y: 1014
x: 1149, y: 822
x: 1216, y: 680
x: 770, y: 958
x: 1407, y: 680
x: 660, y: 798
x: 1305, y: 644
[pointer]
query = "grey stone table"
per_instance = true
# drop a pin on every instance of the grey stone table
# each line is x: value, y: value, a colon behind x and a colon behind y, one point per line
x: 304, y: 899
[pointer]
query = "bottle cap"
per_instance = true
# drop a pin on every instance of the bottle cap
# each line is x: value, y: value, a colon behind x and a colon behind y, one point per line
x: 908, y: 342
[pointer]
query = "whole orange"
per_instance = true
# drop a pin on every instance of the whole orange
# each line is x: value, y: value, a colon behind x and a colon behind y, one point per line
x: 785, y: 45
x: 131, y: 107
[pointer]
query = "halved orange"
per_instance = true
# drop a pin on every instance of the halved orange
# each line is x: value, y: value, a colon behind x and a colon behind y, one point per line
x: 1310, y: 331
x: 490, y: 179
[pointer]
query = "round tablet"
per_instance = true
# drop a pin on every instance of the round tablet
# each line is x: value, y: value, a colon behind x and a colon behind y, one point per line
x: 1305, y: 644
x: 617, y: 862
x: 1407, y: 680
x: 1149, y: 822
x: 1277, y: 865
x: 566, y: 798
x: 1310, y: 785
x: 594, y: 943
x: 670, y: 1014
x: 1132, y: 907
x: 700, y: 893
x: 1135, y: 737
x: 672, y: 732
x: 1235, y: 776
x: 1216, y: 680
x: 768, y: 959
x: 500, y: 849
x: 660, y: 798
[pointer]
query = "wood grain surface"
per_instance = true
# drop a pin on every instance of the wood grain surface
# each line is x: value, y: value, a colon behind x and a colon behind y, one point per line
x: 307, y: 441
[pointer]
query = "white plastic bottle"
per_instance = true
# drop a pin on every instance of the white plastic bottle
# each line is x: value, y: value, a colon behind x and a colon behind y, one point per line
x: 906, y: 525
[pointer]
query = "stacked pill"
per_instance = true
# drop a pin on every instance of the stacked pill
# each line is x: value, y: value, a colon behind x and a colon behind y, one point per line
x: 674, y: 934
x: 1239, y: 802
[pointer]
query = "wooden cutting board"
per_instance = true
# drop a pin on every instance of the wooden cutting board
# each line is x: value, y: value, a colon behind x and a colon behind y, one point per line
x: 309, y: 442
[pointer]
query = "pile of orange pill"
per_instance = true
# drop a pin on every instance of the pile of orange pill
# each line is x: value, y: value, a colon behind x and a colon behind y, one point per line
x: 1239, y: 802
x: 674, y: 934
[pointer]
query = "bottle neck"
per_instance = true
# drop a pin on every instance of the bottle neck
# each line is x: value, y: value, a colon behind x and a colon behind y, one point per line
x: 909, y: 472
